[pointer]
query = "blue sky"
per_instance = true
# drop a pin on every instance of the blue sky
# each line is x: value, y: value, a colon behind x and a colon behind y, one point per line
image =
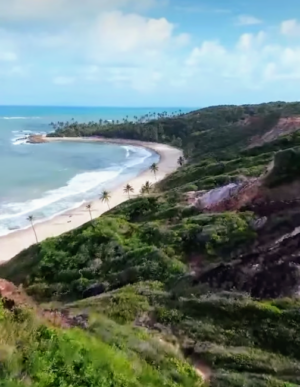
x: 149, y: 52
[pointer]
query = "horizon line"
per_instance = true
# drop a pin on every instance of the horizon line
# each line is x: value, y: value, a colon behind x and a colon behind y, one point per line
x: 101, y: 106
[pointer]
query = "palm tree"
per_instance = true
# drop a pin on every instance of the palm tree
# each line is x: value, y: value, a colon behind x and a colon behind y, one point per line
x: 30, y: 219
x: 105, y: 196
x: 142, y: 190
x: 154, y: 169
x: 180, y: 161
x: 146, y: 188
x: 128, y: 189
x: 89, y: 207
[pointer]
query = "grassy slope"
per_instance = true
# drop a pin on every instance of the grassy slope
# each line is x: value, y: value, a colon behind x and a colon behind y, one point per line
x: 35, y: 354
x: 245, y: 342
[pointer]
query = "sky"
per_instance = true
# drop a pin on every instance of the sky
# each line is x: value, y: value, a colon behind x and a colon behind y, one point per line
x: 183, y: 53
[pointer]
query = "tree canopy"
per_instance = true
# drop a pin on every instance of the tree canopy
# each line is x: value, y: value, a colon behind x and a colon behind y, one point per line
x: 172, y: 291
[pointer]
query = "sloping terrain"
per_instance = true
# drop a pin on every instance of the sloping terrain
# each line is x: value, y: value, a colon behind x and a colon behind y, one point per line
x: 283, y: 127
x: 37, y: 350
x: 174, y: 285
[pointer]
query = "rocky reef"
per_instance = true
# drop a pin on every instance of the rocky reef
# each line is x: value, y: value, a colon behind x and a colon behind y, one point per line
x: 37, y: 139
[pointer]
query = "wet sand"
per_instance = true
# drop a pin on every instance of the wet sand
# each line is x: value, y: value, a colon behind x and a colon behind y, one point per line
x: 13, y: 243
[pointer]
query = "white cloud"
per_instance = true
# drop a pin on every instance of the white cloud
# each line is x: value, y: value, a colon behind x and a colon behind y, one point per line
x: 251, y: 63
x: 208, y: 51
x: 200, y: 9
x: 131, y: 38
x: 8, y: 52
x: 248, y: 20
x: 123, y: 49
x: 249, y: 41
x: 213, y: 53
x: 182, y: 39
x: 142, y: 79
x: 63, y: 80
x: 56, y: 10
x: 115, y: 31
x: 290, y: 28
x: 113, y: 37
x: 8, y: 56
x: 127, y: 50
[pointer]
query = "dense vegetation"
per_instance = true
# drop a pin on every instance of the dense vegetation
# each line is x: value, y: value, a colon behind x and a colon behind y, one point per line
x: 115, y: 251
x: 219, y: 131
x: 159, y: 267
x: 34, y: 354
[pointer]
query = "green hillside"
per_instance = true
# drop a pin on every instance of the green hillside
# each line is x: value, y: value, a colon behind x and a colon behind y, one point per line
x: 178, y: 291
x: 34, y: 354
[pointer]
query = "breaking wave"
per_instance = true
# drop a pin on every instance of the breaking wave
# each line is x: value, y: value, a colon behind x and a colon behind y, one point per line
x: 21, y: 137
x: 81, y: 188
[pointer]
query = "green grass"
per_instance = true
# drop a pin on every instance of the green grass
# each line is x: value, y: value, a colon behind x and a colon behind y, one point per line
x: 106, y: 355
x: 143, y: 252
x: 241, y: 340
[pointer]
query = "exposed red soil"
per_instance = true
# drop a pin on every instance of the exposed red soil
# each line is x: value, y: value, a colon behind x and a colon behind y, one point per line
x: 13, y: 296
x: 284, y: 126
x: 10, y: 292
x: 202, y: 369
x: 246, y: 194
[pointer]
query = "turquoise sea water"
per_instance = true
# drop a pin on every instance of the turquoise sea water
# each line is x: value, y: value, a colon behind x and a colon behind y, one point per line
x: 46, y: 179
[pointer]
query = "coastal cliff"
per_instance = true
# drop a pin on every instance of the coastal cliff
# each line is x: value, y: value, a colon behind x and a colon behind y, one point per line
x: 196, y: 280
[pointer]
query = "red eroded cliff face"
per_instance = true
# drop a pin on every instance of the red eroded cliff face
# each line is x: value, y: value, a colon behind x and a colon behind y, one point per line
x: 284, y: 126
x: 13, y: 297
x: 235, y: 199
x: 245, y: 195
x: 11, y: 292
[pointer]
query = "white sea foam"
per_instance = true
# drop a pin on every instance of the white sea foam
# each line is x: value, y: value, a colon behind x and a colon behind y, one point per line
x: 22, y: 132
x: 127, y: 148
x: 79, y: 184
x: 21, y: 137
x: 5, y: 230
x: 81, y: 188
x: 142, y: 154
x: 19, y: 141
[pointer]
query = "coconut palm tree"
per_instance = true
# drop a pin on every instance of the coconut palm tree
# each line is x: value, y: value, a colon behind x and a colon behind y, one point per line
x: 105, y: 196
x: 89, y: 207
x: 180, y: 161
x: 30, y: 219
x: 142, y: 190
x: 154, y: 169
x: 146, y: 188
x: 128, y: 189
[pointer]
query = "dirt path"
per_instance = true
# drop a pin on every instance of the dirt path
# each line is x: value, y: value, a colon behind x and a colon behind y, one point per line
x: 13, y: 296
x: 202, y: 369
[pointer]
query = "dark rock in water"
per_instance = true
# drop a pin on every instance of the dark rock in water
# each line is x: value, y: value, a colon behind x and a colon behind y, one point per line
x: 14, y: 228
x: 36, y: 139
x: 94, y: 290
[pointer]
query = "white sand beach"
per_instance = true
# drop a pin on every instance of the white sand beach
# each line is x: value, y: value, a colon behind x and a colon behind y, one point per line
x: 15, y: 242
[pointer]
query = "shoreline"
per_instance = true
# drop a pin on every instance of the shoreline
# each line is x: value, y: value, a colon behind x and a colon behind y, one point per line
x: 16, y: 241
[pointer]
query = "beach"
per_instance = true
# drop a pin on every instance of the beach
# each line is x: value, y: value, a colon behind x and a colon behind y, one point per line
x: 15, y: 242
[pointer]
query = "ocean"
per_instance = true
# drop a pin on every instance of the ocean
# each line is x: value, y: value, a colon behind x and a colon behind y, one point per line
x: 44, y: 180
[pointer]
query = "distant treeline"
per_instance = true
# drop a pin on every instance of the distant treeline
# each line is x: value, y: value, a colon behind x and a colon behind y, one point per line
x: 216, y: 131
